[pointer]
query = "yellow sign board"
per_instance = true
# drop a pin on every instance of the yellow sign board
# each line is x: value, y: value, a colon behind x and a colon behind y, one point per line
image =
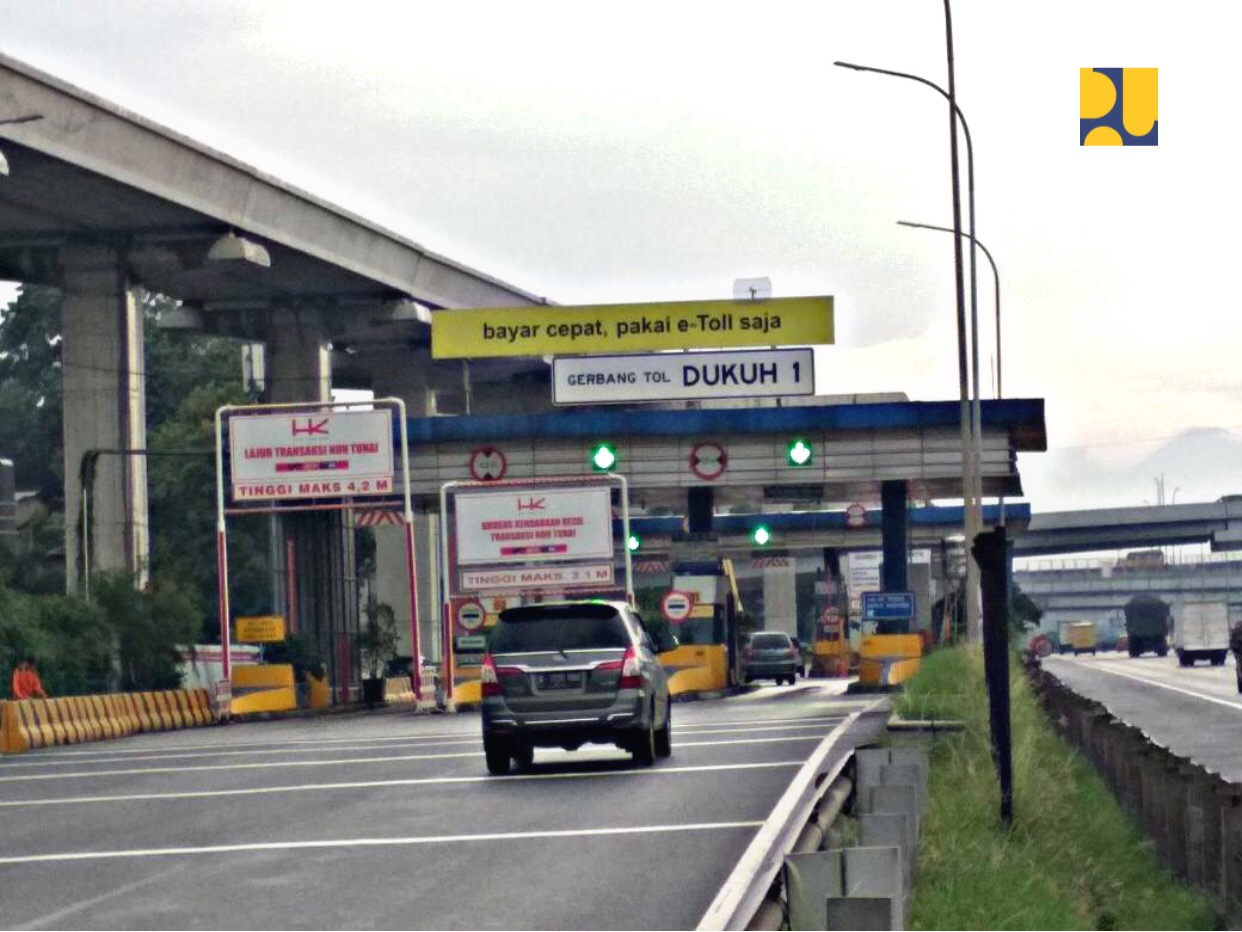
x: 630, y: 328
x: 259, y: 629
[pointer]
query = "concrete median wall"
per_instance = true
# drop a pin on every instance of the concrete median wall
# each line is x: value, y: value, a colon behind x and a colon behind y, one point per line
x: 39, y: 723
x: 1192, y: 816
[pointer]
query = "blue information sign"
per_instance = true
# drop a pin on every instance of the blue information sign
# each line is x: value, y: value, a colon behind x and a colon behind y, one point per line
x: 888, y: 606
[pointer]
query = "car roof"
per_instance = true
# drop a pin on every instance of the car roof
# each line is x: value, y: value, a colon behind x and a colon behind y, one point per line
x: 592, y: 608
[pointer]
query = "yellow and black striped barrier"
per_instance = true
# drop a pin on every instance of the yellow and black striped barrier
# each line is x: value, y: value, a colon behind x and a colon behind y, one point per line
x: 41, y: 723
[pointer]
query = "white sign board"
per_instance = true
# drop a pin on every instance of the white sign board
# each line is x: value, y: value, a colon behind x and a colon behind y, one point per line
x: 538, y: 577
x: 315, y: 455
x: 534, y: 525
x: 580, y: 380
x: 863, y: 574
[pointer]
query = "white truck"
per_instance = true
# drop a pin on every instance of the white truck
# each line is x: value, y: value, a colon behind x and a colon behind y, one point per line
x: 1201, y: 632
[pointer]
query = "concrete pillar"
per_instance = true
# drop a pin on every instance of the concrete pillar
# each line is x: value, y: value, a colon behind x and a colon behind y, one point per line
x: 297, y: 359
x: 408, y: 376
x: 104, y: 414
x: 324, y: 578
x: 894, y: 522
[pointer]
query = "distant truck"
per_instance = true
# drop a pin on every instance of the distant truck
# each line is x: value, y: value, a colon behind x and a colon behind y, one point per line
x: 1201, y: 632
x: 1083, y: 637
x: 1147, y: 625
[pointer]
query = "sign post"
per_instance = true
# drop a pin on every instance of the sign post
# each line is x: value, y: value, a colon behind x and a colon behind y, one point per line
x: 309, y: 455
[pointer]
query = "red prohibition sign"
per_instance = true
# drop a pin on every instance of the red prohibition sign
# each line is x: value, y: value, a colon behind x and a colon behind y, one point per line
x: 488, y: 464
x: 708, y: 460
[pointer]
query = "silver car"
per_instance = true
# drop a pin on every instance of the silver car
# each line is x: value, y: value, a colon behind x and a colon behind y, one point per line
x: 566, y: 674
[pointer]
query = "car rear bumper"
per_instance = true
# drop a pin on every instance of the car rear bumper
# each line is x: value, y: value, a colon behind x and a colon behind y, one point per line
x: 558, y: 728
x: 772, y: 668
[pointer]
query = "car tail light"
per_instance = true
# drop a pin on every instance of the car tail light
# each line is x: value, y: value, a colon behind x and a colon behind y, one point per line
x: 630, y: 667
x: 490, y: 676
x: 491, y: 682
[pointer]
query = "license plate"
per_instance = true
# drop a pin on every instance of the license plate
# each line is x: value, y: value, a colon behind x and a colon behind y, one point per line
x: 570, y: 679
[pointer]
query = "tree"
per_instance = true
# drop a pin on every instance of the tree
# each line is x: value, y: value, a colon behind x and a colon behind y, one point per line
x: 150, y: 628
x: 30, y: 391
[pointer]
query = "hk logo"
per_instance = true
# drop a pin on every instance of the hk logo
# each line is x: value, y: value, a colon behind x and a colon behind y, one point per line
x: 1117, y: 107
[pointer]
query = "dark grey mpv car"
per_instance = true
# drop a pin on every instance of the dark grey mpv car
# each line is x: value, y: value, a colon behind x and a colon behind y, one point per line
x: 566, y: 674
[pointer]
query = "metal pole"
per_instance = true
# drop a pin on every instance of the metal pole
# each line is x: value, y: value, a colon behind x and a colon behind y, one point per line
x: 995, y: 278
x: 411, y: 570
x: 222, y: 558
x: 970, y: 503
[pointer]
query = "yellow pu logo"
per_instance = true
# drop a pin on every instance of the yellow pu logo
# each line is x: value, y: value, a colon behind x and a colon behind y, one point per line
x: 1118, y: 107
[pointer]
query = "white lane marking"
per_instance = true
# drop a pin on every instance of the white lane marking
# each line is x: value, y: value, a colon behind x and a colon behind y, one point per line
x: 377, y: 784
x: 116, y: 756
x: 700, y: 728
x: 199, y: 768
x: 820, y: 726
x: 62, y: 914
x: 473, y: 739
x: 748, y: 722
x: 86, y: 774
x: 1176, y: 689
x: 374, y: 842
x: 211, y: 747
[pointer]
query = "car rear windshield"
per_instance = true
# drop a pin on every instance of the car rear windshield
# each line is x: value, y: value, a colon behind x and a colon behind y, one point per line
x: 558, y: 631
x: 769, y: 641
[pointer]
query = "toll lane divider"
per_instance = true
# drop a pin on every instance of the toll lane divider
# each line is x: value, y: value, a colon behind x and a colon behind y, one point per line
x: 40, y: 723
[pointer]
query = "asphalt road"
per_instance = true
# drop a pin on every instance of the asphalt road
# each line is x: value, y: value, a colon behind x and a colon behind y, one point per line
x: 390, y: 821
x: 1195, y: 712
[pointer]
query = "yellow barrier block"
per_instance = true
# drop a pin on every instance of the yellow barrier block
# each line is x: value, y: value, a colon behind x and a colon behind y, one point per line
x: 142, y: 713
x: 181, y: 703
x: 266, y: 700
x: 74, y: 726
x: 43, y: 715
x: 201, y: 704
x: 889, y: 659
x: 12, y: 739
x: 87, y: 728
x: 29, y: 724
x: 126, y: 703
x: 115, y: 719
x: 469, y: 692
x: 320, y: 693
x: 159, y: 702
x: 60, y: 734
x: 99, y: 712
x: 695, y: 668
x: 262, y: 676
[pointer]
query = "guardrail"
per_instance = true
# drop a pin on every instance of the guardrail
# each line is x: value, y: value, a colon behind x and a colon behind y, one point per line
x: 801, y: 818
x: 38, y: 723
x: 1193, y: 817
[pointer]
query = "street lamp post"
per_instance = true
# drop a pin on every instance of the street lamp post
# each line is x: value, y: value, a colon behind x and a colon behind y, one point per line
x: 1000, y: 391
x: 971, y: 419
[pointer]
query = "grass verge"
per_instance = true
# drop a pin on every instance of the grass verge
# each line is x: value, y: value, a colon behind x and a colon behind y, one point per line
x: 1073, y: 859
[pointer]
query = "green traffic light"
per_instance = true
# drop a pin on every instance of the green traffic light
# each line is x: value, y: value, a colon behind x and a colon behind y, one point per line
x: 761, y: 535
x: 799, y: 453
x: 634, y: 542
x: 603, y: 457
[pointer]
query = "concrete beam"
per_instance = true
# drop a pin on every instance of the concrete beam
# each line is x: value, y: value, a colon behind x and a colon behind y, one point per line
x: 85, y: 132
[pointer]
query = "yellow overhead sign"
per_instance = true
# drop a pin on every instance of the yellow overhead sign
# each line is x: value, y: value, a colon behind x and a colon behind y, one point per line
x: 257, y: 629
x: 624, y: 328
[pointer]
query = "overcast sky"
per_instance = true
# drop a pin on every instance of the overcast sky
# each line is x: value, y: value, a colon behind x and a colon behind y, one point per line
x: 647, y: 151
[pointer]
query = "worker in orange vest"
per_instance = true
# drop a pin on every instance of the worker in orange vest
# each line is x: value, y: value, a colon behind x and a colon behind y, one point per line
x: 26, y: 682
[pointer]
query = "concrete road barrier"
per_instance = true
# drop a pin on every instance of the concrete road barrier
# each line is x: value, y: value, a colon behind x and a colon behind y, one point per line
x: 40, y: 723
